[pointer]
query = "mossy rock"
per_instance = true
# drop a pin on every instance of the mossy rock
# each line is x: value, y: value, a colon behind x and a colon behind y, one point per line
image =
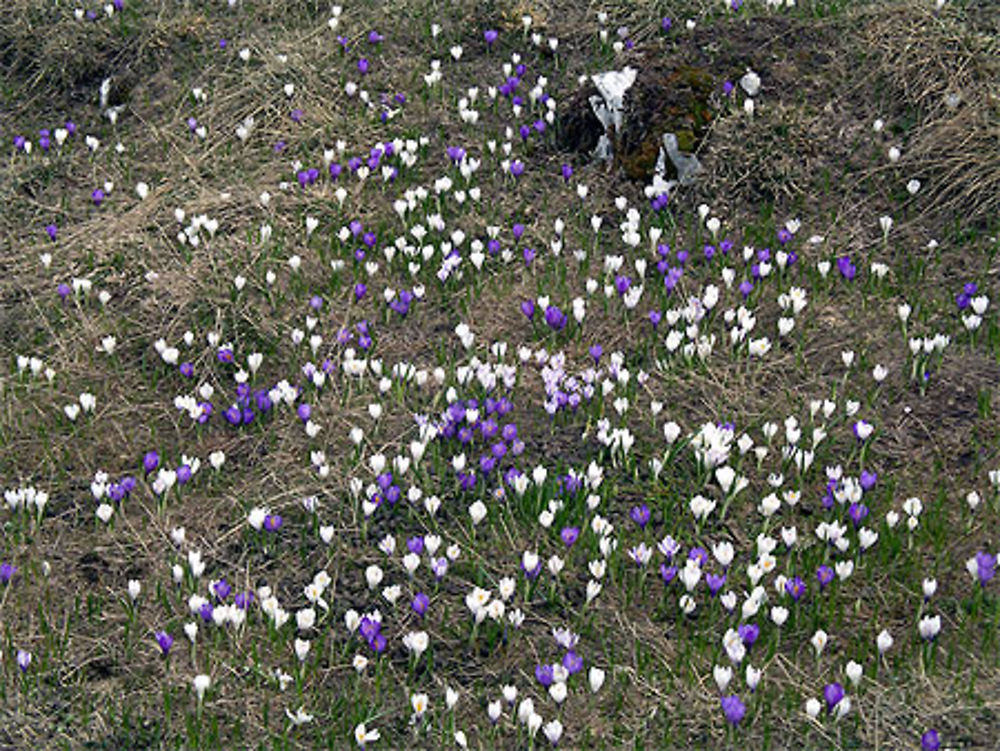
x: 676, y: 100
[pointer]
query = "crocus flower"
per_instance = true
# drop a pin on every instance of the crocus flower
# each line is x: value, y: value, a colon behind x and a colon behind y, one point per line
x: 930, y: 741
x: 97, y: 196
x: 572, y: 662
x: 640, y: 515
x: 272, y: 522
x: 666, y: 23
x: 23, y: 660
x: 222, y: 589
x: 985, y: 567
x: 858, y: 512
x: 420, y: 603
x: 796, y: 588
x: 544, y: 674
x: 569, y: 536
x: 825, y: 576
x: 51, y: 230
x: 517, y: 168
x: 363, y: 66
x: 165, y: 641
x: 150, y: 461
x: 715, y: 582
x: 733, y: 709
x: 833, y: 693
x: 846, y: 267
x: 555, y: 318
x: 667, y: 573
x: 749, y: 633
x: 490, y: 35
x: 7, y: 571
x: 867, y: 480
x: 567, y: 172
x: 64, y: 290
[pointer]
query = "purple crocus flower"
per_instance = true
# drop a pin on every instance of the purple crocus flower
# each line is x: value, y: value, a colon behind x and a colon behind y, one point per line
x: 727, y: 88
x: 846, y: 267
x: 567, y: 172
x: 272, y: 522
x: 733, y: 709
x: 183, y: 474
x: 867, y: 480
x: 23, y: 659
x: 749, y: 633
x: 544, y: 674
x: 165, y: 641
x: 569, y: 535
x: 517, y: 168
x: 360, y: 289
x: 858, y: 512
x: 369, y: 628
x: 825, y: 575
x: 930, y: 741
x: 64, y: 290
x: 667, y: 573
x: 746, y: 287
x: 186, y: 369
x: 222, y: 589
x: 206, y: 611
x: 243, y: 600
x: 420, y: 603
x: 555, y: 318
x: 97, y: 196
x: 490, y: 35
x: 795, y: 588
x: 7, y: 571
x: 715, y: 582
x: 572, y: 662
x: 363, y: 66
x: 150, y: 461
x: 640, y: 515
x: 415, y: 545
x: 985, y: 567
x: 833, y: 693
x: 784, y: 236
x: 51, y: 230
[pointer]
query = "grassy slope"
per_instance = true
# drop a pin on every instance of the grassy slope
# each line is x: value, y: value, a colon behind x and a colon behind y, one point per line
x: 809, y: 152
